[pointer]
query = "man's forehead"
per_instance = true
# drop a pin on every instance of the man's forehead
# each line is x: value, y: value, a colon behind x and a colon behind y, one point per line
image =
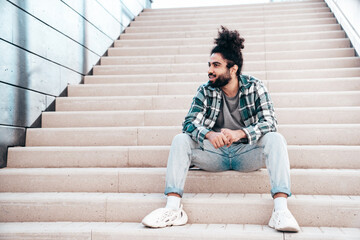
x: 216, y: 57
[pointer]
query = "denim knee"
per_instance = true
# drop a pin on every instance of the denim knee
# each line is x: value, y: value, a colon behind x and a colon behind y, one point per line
x: 181, y: 138
x: 274, y: 139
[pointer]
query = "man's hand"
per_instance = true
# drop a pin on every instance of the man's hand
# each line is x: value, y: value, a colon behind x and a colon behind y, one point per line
x: 233, y: 135
x: 217, y: 139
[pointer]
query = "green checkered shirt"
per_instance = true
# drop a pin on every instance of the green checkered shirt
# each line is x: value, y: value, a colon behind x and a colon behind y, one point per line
x: 256, y: 110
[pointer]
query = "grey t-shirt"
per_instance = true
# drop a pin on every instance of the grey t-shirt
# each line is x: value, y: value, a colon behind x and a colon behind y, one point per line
x: 229, y: 116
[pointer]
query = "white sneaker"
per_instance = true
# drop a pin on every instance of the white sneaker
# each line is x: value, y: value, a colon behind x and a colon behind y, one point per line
x: 283, y: 221
x: 163, y: 217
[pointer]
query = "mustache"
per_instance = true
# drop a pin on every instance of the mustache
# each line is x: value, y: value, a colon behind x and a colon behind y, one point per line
x: 210, y: 74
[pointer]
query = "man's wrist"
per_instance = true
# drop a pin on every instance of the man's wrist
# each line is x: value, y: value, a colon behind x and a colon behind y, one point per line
x: 208, y: 134
x: 240, y: 134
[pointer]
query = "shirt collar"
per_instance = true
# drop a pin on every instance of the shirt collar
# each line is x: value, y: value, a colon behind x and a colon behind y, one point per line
x: 244, y: 82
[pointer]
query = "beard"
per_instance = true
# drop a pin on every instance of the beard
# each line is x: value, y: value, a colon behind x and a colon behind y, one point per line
x: 221, y: 80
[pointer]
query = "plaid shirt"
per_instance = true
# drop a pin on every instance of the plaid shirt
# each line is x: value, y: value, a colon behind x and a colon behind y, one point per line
x: 256, y: 110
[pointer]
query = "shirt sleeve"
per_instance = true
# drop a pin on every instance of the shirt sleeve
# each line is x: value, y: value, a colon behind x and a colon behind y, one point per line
x: 266, y: 120
x: 193, y: 123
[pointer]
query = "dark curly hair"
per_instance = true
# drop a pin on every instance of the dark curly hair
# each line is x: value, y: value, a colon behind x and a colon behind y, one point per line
x: 229, y: 45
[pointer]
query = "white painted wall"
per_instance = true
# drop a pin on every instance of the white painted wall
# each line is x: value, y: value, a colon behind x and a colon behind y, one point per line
x: 351, y: 9
x: 347, y: 13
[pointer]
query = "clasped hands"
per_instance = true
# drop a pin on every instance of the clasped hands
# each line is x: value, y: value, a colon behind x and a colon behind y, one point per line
x: 225, y: 137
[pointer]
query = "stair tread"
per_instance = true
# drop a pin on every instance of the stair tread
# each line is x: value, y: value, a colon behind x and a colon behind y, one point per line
x: 206, y: 55
x: 134, y: 230
x: 61, y: 148
x: 350, y: 109
x: 155, y: 96
x: 246, y: 6
x: 246, y: 12
x: 256, y: 38
x: 252, y: 31
x: 306, y: 126
x: 310, y: 210
x: 173, y: 88
x: 255, y: 30
x: 249, y: 44
x: 319, y: 60
x: 198, y: 197
x: 161, y: 171
x: 244, y: 25
x: 196, y: 77
x: 305, y: 156
x: 142, y: 20
x: 343, y: 115
x: 304, y: 181
x: 160, y: 102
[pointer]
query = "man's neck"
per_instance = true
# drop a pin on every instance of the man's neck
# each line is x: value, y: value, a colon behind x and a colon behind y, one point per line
x: 232, y: 88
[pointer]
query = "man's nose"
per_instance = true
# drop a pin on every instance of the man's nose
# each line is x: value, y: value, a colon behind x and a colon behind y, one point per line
x: 210, y: 70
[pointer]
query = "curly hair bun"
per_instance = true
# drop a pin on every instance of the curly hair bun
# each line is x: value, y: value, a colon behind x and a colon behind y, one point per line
x: 229, y: 45
x: 229, y: 39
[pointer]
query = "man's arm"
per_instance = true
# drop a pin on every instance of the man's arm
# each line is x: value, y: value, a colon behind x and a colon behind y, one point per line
x: 193, y: 120
x: 266, y: 120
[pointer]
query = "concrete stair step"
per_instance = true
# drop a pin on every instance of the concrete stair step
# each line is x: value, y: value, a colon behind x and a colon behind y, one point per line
x: 311, y: 74
x: 172, y: 102
x: 202, y: 77
x: 215, y: 26
x: 309, y: 210
x: 199, y: 33
x: 326, y: 115
x: 326, y: 85
x: 317, y: 156
x: 247, y: 5
x: 259, y: 8
x: 136, y: 231
x: 351, y: 62
x: 255, y: 6
x: 240, y: 9
x: 309, y: 134
x: 223, y: 15
x: 252, y: 56
x: 250, y: 39
x: 229, y: 19
x: 253, y: 47
x: 151, y: 180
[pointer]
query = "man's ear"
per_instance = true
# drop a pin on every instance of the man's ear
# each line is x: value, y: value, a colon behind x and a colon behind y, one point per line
x: 234, y: 69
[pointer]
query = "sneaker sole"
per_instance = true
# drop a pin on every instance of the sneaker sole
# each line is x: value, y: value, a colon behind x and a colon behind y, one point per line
x: 163, y: 226
x: 179, y: 223
x: 285, y: 229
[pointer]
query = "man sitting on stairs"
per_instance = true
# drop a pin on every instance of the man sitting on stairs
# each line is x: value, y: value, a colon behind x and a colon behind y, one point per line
x: 231, y: 125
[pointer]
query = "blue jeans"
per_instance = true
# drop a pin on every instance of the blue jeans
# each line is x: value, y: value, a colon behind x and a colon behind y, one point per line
x: 269, y: 151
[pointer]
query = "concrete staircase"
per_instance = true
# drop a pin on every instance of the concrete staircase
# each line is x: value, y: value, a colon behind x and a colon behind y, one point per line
x: 97, y: 165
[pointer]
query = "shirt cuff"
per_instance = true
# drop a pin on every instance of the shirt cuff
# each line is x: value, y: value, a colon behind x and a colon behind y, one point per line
x: 248, y: 135
x: 202, y: 134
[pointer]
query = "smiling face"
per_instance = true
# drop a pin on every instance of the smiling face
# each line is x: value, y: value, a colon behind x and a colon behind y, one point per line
x: 219, y: 73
